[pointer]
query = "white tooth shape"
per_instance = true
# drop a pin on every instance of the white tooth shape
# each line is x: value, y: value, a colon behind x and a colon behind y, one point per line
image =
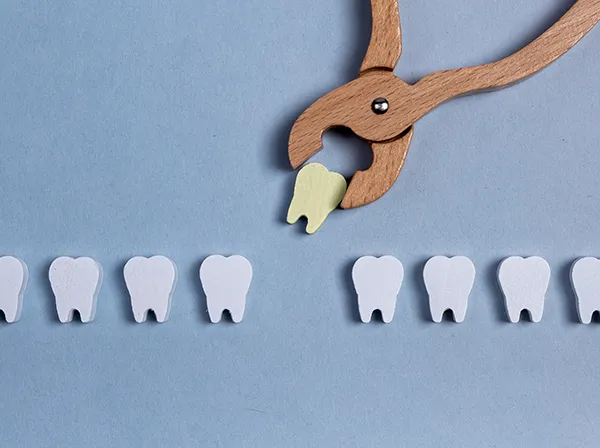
x: 585, y: 279
x: 524, y: 282
x: 449, y: 282
x: 226, y: 281
x: 317, y: 193
x: 13, y: 281
x: 75, y: 283
x: 377, y: 282
x: 151, y: 283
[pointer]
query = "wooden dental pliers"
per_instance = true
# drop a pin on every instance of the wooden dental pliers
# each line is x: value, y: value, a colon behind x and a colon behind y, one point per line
x: 381, y: 108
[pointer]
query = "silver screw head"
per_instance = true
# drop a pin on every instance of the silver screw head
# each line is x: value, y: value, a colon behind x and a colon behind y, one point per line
x: 380, y: 106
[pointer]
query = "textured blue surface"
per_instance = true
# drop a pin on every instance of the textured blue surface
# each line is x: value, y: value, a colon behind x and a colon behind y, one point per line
x: 134, y: 127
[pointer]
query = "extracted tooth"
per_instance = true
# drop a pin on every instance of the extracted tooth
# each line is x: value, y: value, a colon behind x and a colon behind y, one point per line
x: 585, y: 278
x: 317, y: 193
x: 75, y: 283
x: 524, y: 282
x: 13, y: 281
x: 377, y: 282
x: 151, y: 283
x: 226, y: 281
x: 449, y: 282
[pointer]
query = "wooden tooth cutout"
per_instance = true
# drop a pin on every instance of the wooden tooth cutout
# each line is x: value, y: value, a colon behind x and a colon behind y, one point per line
x: 524, y: 282
x: 382, y: 109
x: 151, y: 284
x: 316, y: 194
x: 377, y: 282
x: 226, y: 281
x: 449, y: 282
x: 75, y: 283
x: 585, y: 280
x: 13, y: 282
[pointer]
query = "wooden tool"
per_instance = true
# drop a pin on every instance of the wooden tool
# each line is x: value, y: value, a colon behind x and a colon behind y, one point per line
x: 381, y: 108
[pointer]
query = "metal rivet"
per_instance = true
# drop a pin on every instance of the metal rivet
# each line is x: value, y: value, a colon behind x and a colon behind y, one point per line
x: 380, y: 106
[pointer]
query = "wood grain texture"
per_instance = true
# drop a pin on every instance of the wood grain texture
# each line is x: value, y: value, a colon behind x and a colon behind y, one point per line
x: 386, y: 36
x: 350, y: 105
x: 388, y: 159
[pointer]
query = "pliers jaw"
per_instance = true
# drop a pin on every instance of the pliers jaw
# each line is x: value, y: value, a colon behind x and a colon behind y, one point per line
x: 353, y: 106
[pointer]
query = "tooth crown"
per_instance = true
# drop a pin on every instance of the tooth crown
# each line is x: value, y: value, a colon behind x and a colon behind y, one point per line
x: 226, y: 281
x: 316, y: 194
x: 75, y: 283
x: 585, y: 279
x: 151, y: 283
x: 524, y: 282
x: 449, y: 282
x: 13, y: 282
x: 377, y: 282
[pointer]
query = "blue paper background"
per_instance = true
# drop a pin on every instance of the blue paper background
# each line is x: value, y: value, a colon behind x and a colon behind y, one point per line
x: 135, y: 127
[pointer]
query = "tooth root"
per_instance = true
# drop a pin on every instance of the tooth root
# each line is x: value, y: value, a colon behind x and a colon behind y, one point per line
x: 524, y: 282
x: 585, y: 312
x: 66, y: 312
x: 12, y: 311
x: 13, y: 281
x: 75, y: 283
x: 313, y: 224
x: 449, y: 282
x: 377, y: 282
x: 459, y: 311
x: 316, y: 194
x: 216, y: 310
x: 585, y: 315
x: 585, y: 279
x: 64, y: 316
x: 536, y: 311
x: 438, y: 308
x: 514, y: 314
x: 365, y: 309
x: 140, y: 310
x: 226, y: 281
x: 293, y: 213
x: 367, y: 306
x: 151, y: 283
x: 437, y: 311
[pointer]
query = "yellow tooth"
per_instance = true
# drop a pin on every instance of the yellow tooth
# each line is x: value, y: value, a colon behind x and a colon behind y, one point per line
x: 317, y: 193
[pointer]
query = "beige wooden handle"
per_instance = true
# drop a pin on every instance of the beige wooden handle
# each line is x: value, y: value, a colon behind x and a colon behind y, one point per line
x: 386, y: 37
x: 409, y: 103
x: 441, y: 86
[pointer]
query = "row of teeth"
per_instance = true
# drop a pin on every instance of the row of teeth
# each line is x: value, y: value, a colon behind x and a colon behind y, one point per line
x: 449, y: 282
x: 151, y: 282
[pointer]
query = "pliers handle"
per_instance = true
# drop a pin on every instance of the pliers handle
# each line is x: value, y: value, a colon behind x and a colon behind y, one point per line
x: 381, y: 108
